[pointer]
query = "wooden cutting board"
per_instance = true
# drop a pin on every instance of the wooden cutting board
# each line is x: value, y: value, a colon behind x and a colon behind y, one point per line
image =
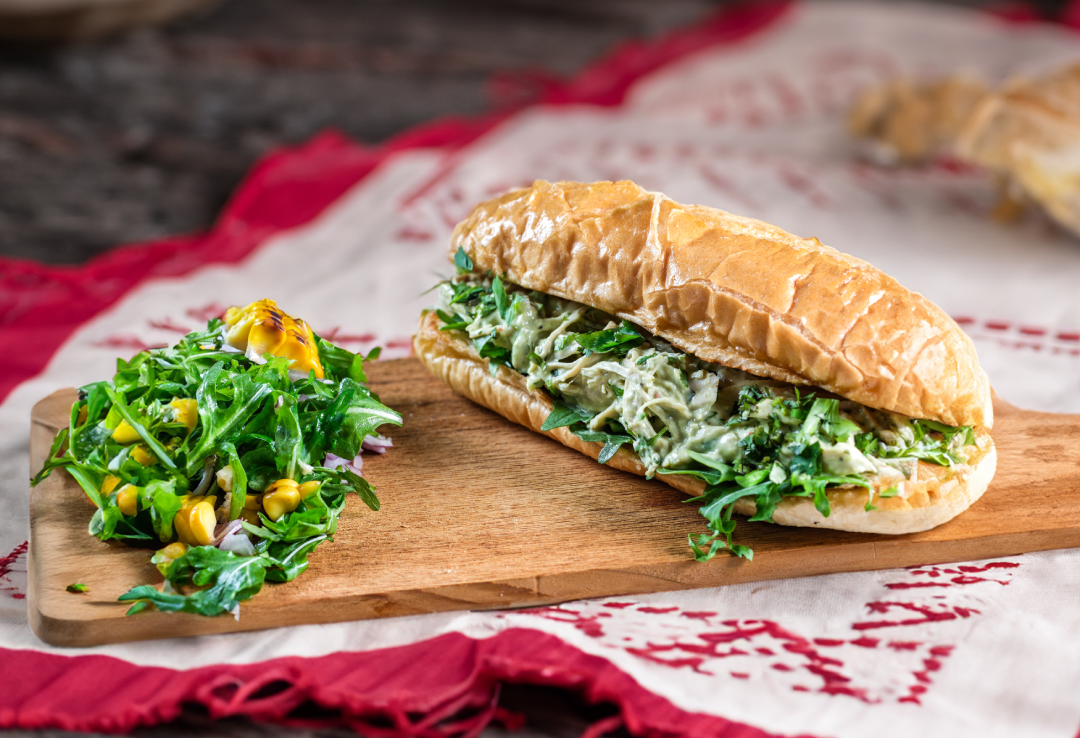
x: 481, y: 514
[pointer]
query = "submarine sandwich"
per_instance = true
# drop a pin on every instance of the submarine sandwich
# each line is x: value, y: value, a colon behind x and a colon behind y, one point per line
x: 766, y: 374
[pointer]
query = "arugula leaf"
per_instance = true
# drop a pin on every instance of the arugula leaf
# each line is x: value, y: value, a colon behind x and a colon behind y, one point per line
x: 726, y: 471
x: 450, y: 324
x: 616, y: 340
x: 462, y: 261
x: 502, y: 302
x: 56, y: 459
x: 287, y: 560
x: 238, y: 496
x: 160, y: 498
x: 488, y: 349
x: 709, y: 477
x: 154, y: 445
x: 562, y: 415
x: 612, y: 443
x: 225, y: 579
x: 353, y: 415
x: 217, y: 421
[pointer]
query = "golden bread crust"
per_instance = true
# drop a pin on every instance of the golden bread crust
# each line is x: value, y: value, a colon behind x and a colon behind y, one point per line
x: 734, y: 291
x: 939, y: 494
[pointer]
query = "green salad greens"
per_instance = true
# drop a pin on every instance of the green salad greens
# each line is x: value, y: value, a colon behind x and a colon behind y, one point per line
x: 229, y: 462
x: 744, y: 436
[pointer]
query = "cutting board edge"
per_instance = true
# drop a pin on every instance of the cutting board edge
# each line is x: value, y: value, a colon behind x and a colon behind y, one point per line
x: 551, y: 589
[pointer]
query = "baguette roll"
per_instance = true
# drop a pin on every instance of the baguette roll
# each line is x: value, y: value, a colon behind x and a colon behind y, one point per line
x: 719, y: 292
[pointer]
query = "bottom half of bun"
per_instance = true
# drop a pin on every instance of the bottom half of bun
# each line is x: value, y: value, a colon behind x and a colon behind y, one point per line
x: 939, y: 494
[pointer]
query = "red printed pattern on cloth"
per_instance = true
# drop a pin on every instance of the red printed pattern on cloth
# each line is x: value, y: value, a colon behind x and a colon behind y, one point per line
x: 709, y: 644
x: 13, y: 563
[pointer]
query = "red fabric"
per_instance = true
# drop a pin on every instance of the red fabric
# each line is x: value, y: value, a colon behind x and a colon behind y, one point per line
x: 391, y: 692
x: 1070, y: 16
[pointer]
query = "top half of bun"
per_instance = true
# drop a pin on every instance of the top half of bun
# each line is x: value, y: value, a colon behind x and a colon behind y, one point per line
x: 734, y: 291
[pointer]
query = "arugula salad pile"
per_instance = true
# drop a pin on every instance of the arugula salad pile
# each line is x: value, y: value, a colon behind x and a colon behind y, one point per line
x: 744, y: 436
x: 232, y: 453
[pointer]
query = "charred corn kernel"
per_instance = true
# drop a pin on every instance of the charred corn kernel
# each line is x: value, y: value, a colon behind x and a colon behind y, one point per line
x: 202, y: 520
x: 142, y: 455
x: 281, y: 498
x: 308, y: 488
x: 187, y: 412
x: 127, y: 499
x: 109, y: 484
x: 263, y: 328
x: 250, y: 516
x: 125, y: 434
x: 253, y: 502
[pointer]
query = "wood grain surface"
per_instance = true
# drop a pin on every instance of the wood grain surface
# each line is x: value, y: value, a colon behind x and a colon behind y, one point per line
x: 481, y: 514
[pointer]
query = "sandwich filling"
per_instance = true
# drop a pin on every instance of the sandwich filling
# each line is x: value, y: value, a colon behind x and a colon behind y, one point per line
x: 745, y: 436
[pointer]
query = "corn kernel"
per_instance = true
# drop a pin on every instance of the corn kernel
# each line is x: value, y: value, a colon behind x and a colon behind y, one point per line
x: 225, y: 478
x: 183, y: 516
x: 250, y: 516
x: 109, y: 484
x: 202, y: 521
x: 262, y: 328
x: 125, y: 434
x: 282, y: 484
x: 174, y: 550
x: 253, y: 502
x: 142, y: 455
x: 127, y: 499
x: 281, y: 498
x: 187, y: 412
x: 307, y: 489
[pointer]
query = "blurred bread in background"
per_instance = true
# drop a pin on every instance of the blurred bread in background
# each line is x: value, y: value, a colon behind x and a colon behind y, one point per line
x: 904, y: 122
x: 62, y: 21
x: 1027, y: 132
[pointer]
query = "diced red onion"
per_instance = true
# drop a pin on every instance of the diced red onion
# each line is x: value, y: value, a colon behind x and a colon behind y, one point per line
x: 377, y: 444
x: 355, y: 465
x: 236, y: 540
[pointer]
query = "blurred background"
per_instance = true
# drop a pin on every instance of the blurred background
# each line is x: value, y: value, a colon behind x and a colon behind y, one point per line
x: 128, y: 120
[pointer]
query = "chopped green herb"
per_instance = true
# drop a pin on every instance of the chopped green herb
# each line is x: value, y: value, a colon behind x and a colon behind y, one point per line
x: 462, y: 261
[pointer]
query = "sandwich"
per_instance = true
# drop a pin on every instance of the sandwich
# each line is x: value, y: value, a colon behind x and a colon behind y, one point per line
x: 765, y: 374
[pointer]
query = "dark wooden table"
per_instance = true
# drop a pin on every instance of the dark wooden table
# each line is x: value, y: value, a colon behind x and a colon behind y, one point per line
x: 145, y: 136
